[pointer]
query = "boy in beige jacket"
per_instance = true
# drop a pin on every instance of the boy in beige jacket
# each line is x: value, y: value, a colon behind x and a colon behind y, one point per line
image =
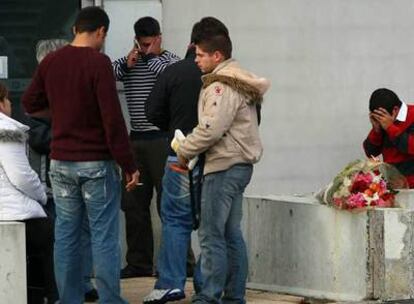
x: 228, y: 134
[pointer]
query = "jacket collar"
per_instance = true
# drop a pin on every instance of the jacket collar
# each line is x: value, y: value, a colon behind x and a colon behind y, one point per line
x: 223, y: 64
x: 402, y: 113
x: 218, y: 68
x: 11, y: 130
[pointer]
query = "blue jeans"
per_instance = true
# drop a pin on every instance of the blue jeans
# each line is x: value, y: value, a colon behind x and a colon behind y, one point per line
x: 223, y: 251
x: 177, y: 225
x: 89, y: 188
x: 85, y: 245
x: 87, y: 263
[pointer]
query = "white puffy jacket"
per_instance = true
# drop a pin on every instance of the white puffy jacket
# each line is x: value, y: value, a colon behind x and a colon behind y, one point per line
x: 21, y: 192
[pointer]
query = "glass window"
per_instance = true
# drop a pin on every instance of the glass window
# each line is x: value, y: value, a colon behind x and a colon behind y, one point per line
x: 22, y: 24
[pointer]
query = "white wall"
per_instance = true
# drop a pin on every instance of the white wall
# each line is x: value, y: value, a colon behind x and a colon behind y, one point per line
x: 324, y: 58
x: 122, y: 15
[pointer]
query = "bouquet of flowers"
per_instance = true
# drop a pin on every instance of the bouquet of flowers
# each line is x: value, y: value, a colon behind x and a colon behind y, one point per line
x: 364, y: 184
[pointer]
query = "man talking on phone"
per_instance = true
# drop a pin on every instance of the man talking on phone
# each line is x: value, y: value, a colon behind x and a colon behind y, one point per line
x: 138, y: 71
x: 392, y: 133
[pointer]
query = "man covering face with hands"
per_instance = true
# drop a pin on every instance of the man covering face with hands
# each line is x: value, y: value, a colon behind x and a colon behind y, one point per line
x: 392, y: 134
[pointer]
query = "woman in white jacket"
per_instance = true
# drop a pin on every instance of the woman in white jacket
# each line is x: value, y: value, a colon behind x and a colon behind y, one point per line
x: 22, y: 194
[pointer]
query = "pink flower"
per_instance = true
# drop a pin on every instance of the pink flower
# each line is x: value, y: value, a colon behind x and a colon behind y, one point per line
x: 338, y: 202
x: 356, y: 200
x: 383, y: 203
x: 388, y: 199
x: 366, y: 177
x: 383, y: 187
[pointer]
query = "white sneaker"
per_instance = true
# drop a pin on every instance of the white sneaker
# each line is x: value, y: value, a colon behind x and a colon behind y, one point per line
x: 161, y: 296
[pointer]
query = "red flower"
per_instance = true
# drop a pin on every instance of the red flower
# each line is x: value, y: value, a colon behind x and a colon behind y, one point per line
x: 359, y: 186
x: 388, y: 196
x: 361, y: 182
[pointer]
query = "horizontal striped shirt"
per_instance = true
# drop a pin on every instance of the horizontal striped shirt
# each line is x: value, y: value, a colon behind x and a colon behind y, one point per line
x: 138, y: 82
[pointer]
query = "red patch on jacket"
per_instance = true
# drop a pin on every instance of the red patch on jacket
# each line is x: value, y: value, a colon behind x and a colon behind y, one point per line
x: 218, y: 90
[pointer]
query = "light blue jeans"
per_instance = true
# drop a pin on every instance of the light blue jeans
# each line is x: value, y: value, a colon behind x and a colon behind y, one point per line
x: 91, y: 188
x: 177, y: 225
x: 223, y: 251
x: 87, y: 263
x: 85, y: 245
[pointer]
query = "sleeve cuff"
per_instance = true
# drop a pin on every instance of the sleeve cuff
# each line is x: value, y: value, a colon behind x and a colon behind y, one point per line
x: 182, y: 151
x: 375, y: 137
x: 129, y: 168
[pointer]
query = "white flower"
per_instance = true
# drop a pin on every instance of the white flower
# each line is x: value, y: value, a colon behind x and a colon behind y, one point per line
x: 369, y: 199
x: 377, y: 178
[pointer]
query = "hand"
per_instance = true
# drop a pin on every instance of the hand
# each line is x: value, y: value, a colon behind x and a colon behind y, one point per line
x: 383, y: 117
x: 375, y: 124
x: 182, y: 161
x: 132, y: 57
x: 155, y: 47
x: 132, y: 180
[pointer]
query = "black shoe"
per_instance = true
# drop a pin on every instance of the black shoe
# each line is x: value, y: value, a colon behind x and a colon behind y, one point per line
x: 133, y: 272
x: 91, y: 295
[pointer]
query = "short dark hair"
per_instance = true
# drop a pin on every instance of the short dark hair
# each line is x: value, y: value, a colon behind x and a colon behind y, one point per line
x: 384, y: 98
x: 210, y: 34
x: 90, y: 19
x: 4, y: 93
x: 220, y: 43
x: 208, y: 26
x: 147, y: 27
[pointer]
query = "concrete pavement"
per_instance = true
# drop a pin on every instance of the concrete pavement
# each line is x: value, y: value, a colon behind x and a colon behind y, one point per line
x: 135, y: 289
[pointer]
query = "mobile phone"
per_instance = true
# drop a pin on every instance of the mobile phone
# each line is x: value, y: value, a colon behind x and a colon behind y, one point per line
x: 136, y: 45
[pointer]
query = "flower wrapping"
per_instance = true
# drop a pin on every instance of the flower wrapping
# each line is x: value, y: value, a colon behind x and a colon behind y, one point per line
x: 364, y: 184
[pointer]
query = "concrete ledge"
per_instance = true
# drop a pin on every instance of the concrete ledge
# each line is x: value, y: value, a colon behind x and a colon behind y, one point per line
x: 299, y: 246
x: 13, y: 263
x: 391, y: 252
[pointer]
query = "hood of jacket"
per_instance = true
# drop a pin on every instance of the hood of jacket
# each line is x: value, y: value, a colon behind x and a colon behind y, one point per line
x: 230, y: 73
x: 11, y: 130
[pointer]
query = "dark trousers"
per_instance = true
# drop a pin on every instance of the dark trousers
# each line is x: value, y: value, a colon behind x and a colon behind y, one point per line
x: 150, y: 155
x: 39, y: 251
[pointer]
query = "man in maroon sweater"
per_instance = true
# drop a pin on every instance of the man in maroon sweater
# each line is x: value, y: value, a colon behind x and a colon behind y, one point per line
x: 392, y: 133
x: 76, y: 86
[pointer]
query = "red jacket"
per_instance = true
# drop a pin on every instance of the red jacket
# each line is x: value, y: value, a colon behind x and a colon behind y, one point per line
x: 396, y: 144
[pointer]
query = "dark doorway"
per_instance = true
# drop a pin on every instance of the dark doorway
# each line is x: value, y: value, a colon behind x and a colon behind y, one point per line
x: 22, y: 24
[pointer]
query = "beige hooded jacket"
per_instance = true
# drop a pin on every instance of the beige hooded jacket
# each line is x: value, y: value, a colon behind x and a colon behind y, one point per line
x: 228, y: 128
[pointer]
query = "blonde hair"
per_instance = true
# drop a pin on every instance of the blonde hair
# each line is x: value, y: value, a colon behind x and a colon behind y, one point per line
x: 46, y: 46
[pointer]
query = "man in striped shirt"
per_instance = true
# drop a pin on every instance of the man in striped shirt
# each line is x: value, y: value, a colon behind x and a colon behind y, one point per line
x: 138, y: 71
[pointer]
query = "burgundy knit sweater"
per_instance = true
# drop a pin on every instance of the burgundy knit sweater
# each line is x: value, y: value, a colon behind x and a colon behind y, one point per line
x: 78, y: 86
